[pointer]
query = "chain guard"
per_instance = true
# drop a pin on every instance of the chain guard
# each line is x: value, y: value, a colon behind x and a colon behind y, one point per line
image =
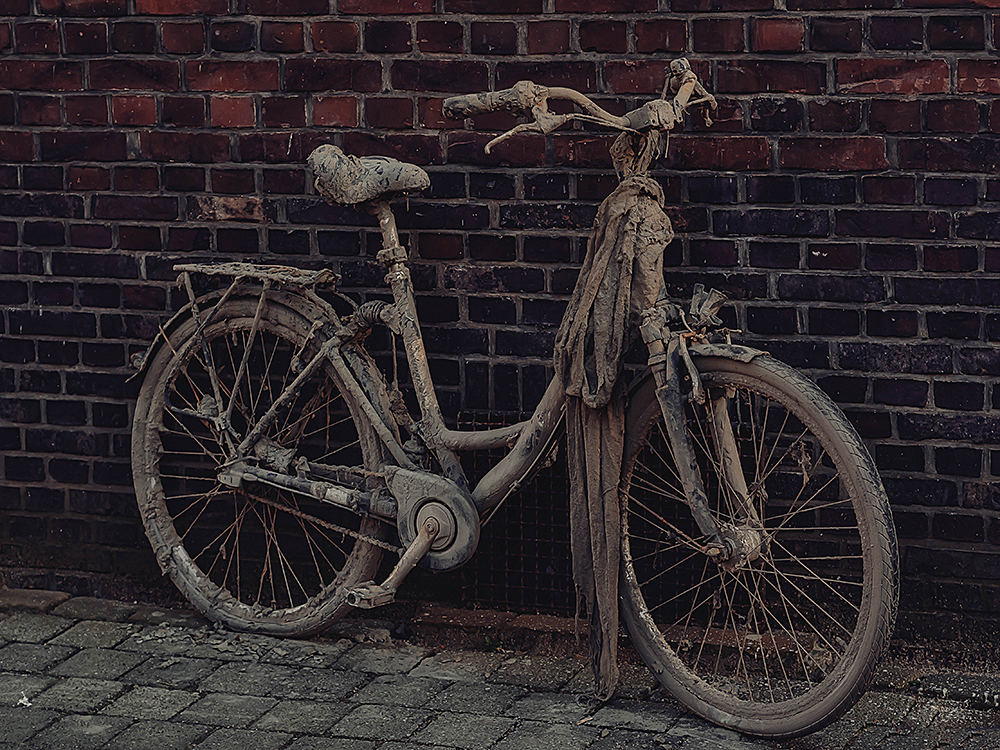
x: 419, y: 495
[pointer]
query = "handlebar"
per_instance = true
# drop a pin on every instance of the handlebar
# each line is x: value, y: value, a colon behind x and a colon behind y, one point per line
x: 525, y: 96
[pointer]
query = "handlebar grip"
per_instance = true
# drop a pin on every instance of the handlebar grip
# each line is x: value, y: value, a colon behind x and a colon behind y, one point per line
x: 520, y: 97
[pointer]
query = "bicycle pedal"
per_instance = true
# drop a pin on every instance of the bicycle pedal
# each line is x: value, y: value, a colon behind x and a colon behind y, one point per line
x: 370, y: 595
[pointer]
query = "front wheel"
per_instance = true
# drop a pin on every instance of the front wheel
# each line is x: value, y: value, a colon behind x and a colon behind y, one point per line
x: 782, y: 637
x: 254, y: 557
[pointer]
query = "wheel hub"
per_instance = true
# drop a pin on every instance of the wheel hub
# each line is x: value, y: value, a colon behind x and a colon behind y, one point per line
x: 745, y: 544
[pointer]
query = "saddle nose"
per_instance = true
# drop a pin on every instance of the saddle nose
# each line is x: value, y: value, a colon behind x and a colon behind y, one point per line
x: 343, y: 178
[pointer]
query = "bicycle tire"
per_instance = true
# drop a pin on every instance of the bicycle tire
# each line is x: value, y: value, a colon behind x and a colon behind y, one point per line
x: 784, y: 644
x: 255, y: 558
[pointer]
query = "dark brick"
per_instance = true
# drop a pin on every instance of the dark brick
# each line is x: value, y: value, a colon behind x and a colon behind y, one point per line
x: 900, y: 457
x: 899, y: 392
x: 492, y: 247
x: 891, y: 257
x: 951, y: 192
x: 953, y: 325
x: 489, y: 38
x: 718, y: 34
x: 832, y: 190
x: 434, y: 75
x: 774, y: 222
x: 833, y: 321
x: 835, y: 116
x: 956, y: 32
x: 911, y: 358
x: 547, y: 249
x: 964, y: 462
x: 956, y: 258
x: 232, y: 36
x: 442, y: 36
x: 957, y: 528
x: 905, y: 224
x: 772, y: 320
x: 184, y: 111
x: 385, y: 37
x: 979, y: 361
x: 892, y: 323
x: 894, y: 116
x: 893, y: 190
x: 774, y: 255
x: 836, y: 256
x: 784, y: 115
x: 835, y: 34
x: 771, y: 189
x: 896, y: 32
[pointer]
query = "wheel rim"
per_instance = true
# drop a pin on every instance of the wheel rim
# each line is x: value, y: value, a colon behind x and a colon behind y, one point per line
x: 259, y: 552
x: 762, y: 634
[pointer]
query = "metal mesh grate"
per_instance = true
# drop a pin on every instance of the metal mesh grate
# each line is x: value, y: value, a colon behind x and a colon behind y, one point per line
x: 523, y: 562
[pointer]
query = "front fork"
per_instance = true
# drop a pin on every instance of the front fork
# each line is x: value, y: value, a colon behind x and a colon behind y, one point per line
x: 669, y: 361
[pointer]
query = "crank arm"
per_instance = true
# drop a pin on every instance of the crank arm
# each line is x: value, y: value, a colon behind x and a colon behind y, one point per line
x: 359, y: 501
x: 370, y: 595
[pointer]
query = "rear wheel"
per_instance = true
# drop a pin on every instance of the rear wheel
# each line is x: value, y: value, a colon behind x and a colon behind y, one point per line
x: 784, y: 636
x: 255, y: 557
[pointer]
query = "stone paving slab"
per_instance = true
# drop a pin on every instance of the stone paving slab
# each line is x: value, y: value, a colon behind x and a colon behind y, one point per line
x: 89, y: 673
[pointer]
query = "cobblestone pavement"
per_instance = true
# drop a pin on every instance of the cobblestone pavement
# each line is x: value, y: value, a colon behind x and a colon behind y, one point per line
x: 83, y: 673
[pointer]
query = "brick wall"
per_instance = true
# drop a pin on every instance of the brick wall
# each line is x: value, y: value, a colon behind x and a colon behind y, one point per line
x: 846, y: 198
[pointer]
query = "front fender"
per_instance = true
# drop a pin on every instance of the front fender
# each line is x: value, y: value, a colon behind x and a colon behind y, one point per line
x: 729, y: 351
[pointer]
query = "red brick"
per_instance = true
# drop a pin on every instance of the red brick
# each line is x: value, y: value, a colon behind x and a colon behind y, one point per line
x: 339, y: 111
x: 183, y: 38
x: 283, y: 111
x: 718, y: 35
x: 232, y: 75
x: 586, y: 150
x: 833, y: 154
x: 233, y: 181
x: 37, y: 38
x: 181, y: 7
x: 956, y: 32
x: 751, y: 77
x: 548, y: 37
x: 953, y: 116
x: 276, y: 36
x: 335, y: 36
x: 89, y: 178
x: 883, y: 76
x: 86, y: 110
x: 728, y: 152
x: 429, y: 115
x: 41, y: 75
x: 86, y: 38
x: 979, y: 76
x: 5, y: 35
x: 232, y: 112
x: 232, y: 36
x: 16, y: 146
x: 392, y: 113
x: 386, y: 7
x: 15, y: 7
x: 174, y: 146
x: 136, y: 179
x: 893, y: 116
x: 133, y: 110
x: 442, y: 36
x: 88, y: 8
x: 466, y: 147
x: 40, y: 110
x: 135, y: 75
x: 635, y: 77
x: 777, y: 34
x: 667, y: 35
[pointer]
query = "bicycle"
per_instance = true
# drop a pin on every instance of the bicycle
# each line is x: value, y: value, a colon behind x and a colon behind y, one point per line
x: 272, y: 456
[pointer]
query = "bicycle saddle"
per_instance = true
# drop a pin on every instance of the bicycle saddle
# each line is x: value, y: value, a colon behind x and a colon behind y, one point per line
x: 343, y: 178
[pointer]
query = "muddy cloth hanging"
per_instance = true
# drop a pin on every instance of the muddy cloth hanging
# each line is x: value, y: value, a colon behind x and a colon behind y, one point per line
x: 621, y: 275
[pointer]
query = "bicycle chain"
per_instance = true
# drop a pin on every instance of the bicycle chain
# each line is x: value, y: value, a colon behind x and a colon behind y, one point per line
x: 332, y: 526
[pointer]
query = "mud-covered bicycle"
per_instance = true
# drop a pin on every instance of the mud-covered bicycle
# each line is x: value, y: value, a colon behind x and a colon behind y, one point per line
x: 275, y: 463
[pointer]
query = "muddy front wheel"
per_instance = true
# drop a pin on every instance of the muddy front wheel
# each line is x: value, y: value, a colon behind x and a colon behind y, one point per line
x: 783, y: 637
x: 254, y: 557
